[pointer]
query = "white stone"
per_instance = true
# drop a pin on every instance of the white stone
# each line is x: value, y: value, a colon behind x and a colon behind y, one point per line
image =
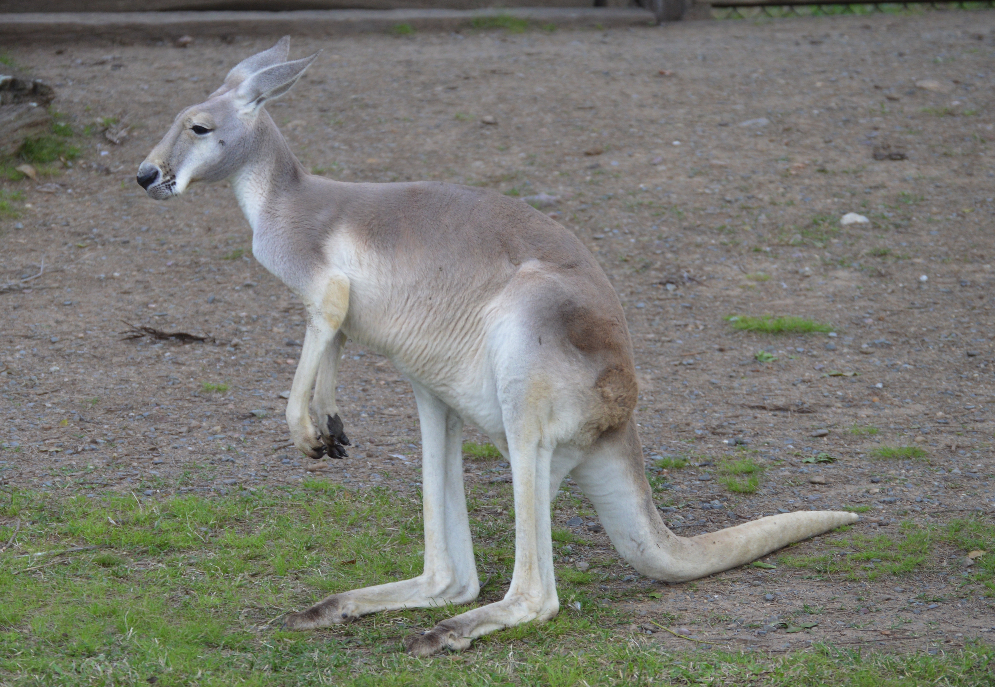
x: 854, y: 218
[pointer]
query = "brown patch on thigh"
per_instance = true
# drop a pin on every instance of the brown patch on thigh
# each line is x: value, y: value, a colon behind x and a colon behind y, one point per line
x: 600, y: 335
x: 618, y: 392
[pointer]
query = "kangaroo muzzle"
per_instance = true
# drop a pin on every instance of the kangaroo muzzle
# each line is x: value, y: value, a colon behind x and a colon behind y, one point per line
x: 148, y: 174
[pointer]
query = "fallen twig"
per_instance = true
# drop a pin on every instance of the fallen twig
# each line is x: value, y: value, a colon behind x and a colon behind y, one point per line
x: 140, y: 332
x: 677, y: 634
x: 17, y: 528
x: 801, y: 410
x: 266, y: 624
x: 19, y: 284
x: 34, y: 567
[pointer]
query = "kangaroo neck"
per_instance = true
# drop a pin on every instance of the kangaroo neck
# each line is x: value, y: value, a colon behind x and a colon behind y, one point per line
x: 271, y: 172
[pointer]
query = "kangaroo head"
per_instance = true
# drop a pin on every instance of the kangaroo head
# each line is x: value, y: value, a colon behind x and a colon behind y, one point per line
x: 215, y: 139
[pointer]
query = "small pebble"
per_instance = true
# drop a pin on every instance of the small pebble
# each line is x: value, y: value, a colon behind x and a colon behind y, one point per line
x: 853, y: 218
x: 830, y: 346
x: 820, y: 433
x: 582, y: 565
x: 817, y: 479
x: 575, y: 522
x: 769, y: 597
x: 875, y: 480
x: 488, y: 119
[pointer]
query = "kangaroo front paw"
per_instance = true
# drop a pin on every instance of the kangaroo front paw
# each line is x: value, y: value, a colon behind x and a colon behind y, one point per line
x: 435, y: 640
x: 306, y: 440
x: 332, y: 611
x: 333, y: 437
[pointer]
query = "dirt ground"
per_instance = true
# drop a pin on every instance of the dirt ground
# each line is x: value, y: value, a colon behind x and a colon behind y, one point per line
x: 706, y: 164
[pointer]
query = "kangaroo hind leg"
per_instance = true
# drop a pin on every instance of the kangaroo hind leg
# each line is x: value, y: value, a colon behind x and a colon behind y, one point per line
x: 450, y: 575
x: 532, y: 594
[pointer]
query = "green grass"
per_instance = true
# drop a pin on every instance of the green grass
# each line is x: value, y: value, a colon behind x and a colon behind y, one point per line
x: 767, y: 324
x: 481, y: 451
x: 464, y: 117
x: 49, y: 148
x: 8, y: 208
x: 741, y: 475
x: 857, y: 509
x: 764, y: 357
x: 214, y: 387
x: 758, y: 276
x: 236, y: 254
x: 864, y: 430
x: 41, y: 151
x: 914, y: 547
x: 190, y: 590
x: 671, y: 463
x: 899, y: 452
x: 502, y: 21
x: 402, y: 30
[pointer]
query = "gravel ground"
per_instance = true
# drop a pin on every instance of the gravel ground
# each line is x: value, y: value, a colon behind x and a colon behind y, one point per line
x: 706, y: 164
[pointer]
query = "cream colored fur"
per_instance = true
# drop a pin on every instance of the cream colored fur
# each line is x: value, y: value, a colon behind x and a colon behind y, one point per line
x: 496, y: 314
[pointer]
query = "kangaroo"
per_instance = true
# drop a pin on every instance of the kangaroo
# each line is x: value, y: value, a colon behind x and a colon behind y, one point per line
x: 496, y: 314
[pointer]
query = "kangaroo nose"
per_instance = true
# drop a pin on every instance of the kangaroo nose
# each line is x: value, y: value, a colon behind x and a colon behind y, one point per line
x: 147, y: 175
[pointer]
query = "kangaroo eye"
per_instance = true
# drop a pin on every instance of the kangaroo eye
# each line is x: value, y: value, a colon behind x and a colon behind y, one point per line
x: 200, y: 130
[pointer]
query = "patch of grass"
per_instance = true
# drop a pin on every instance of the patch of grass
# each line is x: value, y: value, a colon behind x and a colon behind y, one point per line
x: 864, y: 430
x: 741, y: 475
x: 857, y: 509
x: 236, y: 254
x: 764, y: 357
x: 189, y: 590
x: 464, y: 117
x: 899, y: 452
x: 48, y: 148
x: 671, y: 463
x: 214, y: 387
x: 758, y: 276
x: 870, y: 557
x: 767, y: 324
x: 402, y: 30
x: 818, y: 231
x: 502, y: 21
x: 7, y: 203
x: 574, y: 576
x: 7, y: 60
x: 879, y: 252
x: 741, y: 486
x: 481, y: 451
x: 567, y: 537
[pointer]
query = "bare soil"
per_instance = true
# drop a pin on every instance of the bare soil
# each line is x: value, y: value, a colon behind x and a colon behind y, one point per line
x: 707, y: 165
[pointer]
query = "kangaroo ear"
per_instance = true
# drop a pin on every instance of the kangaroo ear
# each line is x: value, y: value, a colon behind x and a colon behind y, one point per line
x: 258, y: 62
x: 271, y: 82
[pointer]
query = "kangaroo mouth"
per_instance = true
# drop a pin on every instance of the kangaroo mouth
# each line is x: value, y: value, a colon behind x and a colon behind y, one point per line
x: 162, y: 190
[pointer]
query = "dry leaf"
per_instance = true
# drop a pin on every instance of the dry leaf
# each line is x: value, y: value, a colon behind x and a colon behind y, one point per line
x: 28, y: 171
x: 977, y: 553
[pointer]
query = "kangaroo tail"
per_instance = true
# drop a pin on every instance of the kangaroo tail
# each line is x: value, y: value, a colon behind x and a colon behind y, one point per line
x: 613, y: 477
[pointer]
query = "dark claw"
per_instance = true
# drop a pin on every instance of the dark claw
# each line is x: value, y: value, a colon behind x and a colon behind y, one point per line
x: 335, y: 438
